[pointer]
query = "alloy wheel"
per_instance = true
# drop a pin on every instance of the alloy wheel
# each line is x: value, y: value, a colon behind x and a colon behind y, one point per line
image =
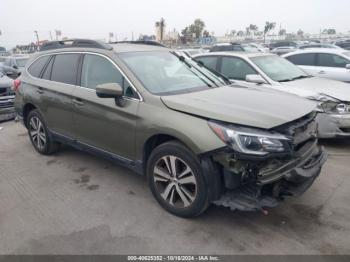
x: 37, y: 133
x: 175, y: 181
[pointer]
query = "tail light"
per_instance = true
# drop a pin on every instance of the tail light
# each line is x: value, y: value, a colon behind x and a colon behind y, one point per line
x: 16, y: 85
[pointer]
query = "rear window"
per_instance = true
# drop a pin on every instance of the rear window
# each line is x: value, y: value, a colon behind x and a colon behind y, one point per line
x: 36, y: 68
x: 64, y: 69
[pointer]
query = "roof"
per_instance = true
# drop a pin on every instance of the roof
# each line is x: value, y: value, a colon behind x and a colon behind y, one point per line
x: 237, y: 54
x: 88, y: 44
x: 126, y: 47
x: 318, y: 50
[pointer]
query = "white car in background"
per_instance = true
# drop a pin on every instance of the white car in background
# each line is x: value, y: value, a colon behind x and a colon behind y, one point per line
x: 322, y: 62
x: 272, y: 71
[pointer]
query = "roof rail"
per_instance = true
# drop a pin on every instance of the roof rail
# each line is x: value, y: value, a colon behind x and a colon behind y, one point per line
x: 140, y: 42
x: 74, y: 43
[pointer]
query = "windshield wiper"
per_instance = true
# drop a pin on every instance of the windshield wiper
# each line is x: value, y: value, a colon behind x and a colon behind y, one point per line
x: 295, y: 78
x: 183, y: 59
x: 218, y: 74
x: 301, y: 77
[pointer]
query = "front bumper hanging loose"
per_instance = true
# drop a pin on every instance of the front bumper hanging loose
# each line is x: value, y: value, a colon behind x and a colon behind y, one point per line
x: 291, y: 179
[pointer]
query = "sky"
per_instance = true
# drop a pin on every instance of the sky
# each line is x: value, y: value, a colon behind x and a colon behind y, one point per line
x: 96, y: 18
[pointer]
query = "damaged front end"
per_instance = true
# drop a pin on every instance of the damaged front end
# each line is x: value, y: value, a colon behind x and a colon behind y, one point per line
x: 260, y: 168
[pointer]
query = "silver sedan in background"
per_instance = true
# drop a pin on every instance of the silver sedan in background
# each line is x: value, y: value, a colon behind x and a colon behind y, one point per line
x: 327, y: 63
x: 272, y: 71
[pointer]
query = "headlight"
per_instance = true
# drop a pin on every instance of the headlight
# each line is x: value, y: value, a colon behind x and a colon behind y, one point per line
x: 335, y: 108
x: 331, y: 105
x: 249, y: 140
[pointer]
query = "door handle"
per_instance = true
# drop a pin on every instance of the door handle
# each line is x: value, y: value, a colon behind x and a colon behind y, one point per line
x: 40, y: 90
x: 78, y: 102
x: 322, y: 72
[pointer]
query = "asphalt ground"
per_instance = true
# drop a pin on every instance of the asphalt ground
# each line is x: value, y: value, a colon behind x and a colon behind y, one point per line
x: 76, y: 203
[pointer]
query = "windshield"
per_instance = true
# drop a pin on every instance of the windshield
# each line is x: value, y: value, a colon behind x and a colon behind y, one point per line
x: 278, y: 68
x: 21, y: 62
x: 162, y: 72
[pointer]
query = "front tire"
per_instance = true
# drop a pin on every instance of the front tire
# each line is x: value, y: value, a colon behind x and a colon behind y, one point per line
x: 176, y: 180
x: 39, y: 134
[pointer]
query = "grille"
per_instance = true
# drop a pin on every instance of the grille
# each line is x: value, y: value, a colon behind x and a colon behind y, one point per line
x: 6, y: 102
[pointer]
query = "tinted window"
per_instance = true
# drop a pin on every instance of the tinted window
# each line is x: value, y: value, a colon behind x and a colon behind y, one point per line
x: 208, y: 61
x: 36, y: 68
x: 330, y: 60
x: 47, y: 72
x: 236, y: 68
x: 98, y: 70
x: 302, y: 59
x: 65, y: 68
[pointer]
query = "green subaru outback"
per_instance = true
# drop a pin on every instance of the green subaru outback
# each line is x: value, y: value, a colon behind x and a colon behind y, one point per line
x: 197, y: 137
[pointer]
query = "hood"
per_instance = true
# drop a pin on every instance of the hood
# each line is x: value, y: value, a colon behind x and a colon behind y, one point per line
x: 255, y: 107
x: 313, y: 86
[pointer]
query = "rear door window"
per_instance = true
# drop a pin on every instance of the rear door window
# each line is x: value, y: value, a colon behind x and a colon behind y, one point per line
x: 307, y: 59
x: 65, y: 68
x: 330, y: 60
x: 36, y: 68
x: 236, y: 68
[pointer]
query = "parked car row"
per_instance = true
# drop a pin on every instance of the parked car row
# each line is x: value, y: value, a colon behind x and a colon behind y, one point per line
x: 197, y: 136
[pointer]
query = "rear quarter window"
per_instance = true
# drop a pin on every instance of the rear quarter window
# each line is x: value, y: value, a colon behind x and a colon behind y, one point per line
x: 38, y: 65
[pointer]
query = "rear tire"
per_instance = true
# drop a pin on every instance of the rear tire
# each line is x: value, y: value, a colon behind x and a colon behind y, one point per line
x: 175, y: 178
x: 39, y: 134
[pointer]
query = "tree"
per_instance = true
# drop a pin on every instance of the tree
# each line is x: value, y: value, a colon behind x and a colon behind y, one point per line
x: 331, y: 31
x: 268, y: 27
x: 282, y: 32
x: 300, y: 33
x: 194, y: 30
x: 247, y: 32
x: 197, y: 27
x: 206, y: 33
x: 233, y: 32
x: 253, y: 28
x: 240, y: 33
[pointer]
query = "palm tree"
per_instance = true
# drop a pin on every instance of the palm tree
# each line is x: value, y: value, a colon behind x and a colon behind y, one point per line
x: 268, y: 27
x: 253, y: 28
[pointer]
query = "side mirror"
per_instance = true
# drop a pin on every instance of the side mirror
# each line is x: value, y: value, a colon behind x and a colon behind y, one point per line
x: 347, y: 66
x: 257, y: 79
x: 15, y: 67
x: 109, y: 90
